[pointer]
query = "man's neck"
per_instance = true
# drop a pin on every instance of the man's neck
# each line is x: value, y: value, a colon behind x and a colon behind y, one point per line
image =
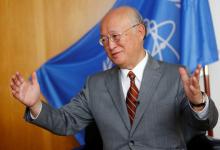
x: 136, y: 61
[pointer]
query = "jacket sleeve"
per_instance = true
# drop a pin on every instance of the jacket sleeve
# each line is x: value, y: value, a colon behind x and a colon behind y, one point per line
x: 191, y: 117
x: 67, y: 120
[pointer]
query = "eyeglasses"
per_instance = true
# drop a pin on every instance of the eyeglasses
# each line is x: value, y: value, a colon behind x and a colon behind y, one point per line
x: 104, y: 40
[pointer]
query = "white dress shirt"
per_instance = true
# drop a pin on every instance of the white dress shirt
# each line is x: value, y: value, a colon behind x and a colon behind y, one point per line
x: 138, y: 70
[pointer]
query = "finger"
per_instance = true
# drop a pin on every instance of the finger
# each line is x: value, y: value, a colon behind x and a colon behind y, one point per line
x: 197, y: 71
x: 19, y: 77
x: 194, y: 90
x: 13, y: 86
x: 34, y: 78
x: 15, y: 80
x: 184, y: 75
x: 195, y: 83
x: 199, y: 66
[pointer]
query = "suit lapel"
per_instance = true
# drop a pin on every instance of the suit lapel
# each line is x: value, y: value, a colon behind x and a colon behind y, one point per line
x: 149, y: 84
x: 114, y: 87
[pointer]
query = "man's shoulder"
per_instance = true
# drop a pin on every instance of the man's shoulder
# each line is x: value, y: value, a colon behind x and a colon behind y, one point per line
x: 170, y: 65
x: 103, y: 74
x: 169, y: 68
x: 163, y: 64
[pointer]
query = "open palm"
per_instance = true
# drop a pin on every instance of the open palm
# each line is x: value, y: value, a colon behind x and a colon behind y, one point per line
x: 191, y: 84
x: 27, y: 92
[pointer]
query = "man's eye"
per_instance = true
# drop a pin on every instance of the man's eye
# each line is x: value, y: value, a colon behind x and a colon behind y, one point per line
x: 115, y: 37
x: 104, y: 39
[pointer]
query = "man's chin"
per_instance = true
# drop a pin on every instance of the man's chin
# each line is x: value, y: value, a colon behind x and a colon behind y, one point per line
x: 120, y: 64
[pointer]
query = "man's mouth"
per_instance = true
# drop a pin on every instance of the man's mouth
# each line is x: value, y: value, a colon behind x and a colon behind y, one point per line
x: 116, y: 53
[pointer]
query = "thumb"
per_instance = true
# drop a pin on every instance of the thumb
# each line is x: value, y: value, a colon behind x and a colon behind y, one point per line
x: 34, y: 79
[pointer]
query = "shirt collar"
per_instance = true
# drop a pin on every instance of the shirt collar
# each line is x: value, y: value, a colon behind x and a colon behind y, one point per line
x: 138, y: 70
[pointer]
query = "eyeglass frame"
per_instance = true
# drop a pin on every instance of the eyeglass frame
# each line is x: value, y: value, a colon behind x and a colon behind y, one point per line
x: 113, y: 39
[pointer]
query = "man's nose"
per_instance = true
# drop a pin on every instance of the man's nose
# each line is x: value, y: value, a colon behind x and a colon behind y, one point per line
x: 111, y: 44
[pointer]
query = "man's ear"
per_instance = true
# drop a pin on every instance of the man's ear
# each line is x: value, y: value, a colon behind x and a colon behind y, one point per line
x: 142, y: 31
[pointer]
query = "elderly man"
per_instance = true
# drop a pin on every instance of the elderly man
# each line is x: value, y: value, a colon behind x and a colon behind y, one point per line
x: 139, y: 104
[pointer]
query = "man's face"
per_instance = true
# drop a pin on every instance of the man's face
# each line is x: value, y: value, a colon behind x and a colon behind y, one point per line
x: 121, y: 40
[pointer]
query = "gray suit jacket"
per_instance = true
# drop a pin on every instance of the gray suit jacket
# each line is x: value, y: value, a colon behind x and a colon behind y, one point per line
x: 157, y: 124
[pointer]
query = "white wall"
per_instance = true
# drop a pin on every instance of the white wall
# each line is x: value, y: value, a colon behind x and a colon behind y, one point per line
x: 214, y: 69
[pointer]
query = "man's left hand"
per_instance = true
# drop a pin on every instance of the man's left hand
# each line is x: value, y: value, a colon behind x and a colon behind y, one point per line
x: 191, y: 85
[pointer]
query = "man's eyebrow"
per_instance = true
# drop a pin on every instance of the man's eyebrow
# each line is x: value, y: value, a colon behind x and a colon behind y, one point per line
x: 102, y: 35
x: 109, y: 33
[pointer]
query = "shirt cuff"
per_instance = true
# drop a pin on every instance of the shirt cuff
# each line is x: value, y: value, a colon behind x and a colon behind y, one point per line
x: 32, y: 117
x: 203, y: 114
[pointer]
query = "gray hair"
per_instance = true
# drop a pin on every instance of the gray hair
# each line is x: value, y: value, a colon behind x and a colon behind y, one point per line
x: 137, y: 18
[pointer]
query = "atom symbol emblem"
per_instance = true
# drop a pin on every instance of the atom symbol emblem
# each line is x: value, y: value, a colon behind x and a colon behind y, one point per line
x: 161, y: 43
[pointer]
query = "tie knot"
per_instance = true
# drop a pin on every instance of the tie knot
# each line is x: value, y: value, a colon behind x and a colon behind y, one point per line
x: 131, y: 75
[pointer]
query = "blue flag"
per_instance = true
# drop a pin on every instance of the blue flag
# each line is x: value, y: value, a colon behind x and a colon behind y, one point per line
x: 178, y: 32
x: 198, y: 44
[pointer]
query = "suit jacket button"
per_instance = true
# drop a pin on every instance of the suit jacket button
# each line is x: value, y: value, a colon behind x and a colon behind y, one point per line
x: 131, y: 143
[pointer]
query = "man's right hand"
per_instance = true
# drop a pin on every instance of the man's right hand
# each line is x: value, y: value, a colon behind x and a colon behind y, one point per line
x: 27, y: 92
